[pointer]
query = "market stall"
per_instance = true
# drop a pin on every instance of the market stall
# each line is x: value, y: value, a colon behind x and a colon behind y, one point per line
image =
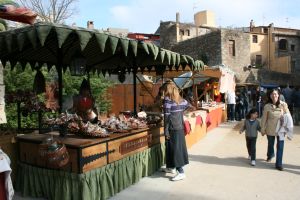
x: 98, y: 168
x: 203, y: 89
x: 226, y: 82
x: 88, y: 168
x: 209, y: 114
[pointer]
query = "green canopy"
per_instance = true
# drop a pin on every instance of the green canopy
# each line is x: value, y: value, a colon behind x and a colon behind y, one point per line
x: 54, y: 44
x: 61, y: 45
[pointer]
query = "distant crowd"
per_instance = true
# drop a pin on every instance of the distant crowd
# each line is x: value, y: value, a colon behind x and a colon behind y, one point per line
x: 243, y: 99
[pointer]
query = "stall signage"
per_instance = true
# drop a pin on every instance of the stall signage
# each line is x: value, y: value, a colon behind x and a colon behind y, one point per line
x: 134, y: 144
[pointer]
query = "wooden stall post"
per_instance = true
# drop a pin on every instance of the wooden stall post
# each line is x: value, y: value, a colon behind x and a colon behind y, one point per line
x: 134, y: 92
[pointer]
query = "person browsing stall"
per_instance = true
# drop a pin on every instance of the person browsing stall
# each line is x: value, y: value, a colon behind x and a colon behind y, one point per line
x: 231, y: 101
x: 176, y: 150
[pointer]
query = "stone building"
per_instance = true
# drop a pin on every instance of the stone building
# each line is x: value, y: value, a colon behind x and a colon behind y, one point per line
x: 261, y: 54
x: 202, y: 40
x: 277, y: 49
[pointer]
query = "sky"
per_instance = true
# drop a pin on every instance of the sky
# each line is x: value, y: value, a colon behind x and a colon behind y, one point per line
x: 144, y: 16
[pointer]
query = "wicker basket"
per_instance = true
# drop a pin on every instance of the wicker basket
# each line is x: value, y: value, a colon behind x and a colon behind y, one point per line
x: 54, y: 158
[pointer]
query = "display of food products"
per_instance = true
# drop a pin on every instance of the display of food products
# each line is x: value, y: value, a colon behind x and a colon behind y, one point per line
x: 114, y: 124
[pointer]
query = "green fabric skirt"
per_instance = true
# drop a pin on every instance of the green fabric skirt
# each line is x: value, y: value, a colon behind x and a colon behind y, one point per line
x: 99, y: 184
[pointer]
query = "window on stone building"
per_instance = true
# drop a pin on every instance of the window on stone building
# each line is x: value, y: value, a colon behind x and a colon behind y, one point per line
x: 258, y: 60
x: 254, y: 38
x: 293, y: 66
x: 292, y: 47
x: 181, y: 32
x: 187, y: 32
x: 265, y: 30
x: 283, y: 44
x: 232, y: 47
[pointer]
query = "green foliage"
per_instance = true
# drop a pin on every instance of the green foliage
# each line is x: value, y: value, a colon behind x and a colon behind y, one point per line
x: 17, y: 79
x: 11, y: 117
x: 99, y: 86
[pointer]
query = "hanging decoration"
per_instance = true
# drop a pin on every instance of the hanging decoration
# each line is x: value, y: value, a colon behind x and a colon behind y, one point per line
x: 39, y: 84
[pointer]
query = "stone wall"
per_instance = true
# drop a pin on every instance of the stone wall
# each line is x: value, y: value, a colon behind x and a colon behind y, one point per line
x: 213, y: 49
x: 212, y: 46
x: 282, y: 79
x: 168, y: 34
x: 241, y: 58
x: 206, y: 48
x: 295, y: 55
x: 264, y: 76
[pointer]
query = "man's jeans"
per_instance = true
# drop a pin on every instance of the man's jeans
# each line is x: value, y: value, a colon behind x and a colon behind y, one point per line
x: 231, y: 111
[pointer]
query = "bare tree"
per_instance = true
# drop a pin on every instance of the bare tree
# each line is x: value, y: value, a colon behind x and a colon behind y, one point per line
x: 56, y: 11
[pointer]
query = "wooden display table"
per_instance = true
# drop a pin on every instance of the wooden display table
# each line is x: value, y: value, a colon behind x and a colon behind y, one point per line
x: 90, y: 153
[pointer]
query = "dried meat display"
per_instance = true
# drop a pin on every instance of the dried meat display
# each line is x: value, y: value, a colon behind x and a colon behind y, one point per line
x: 121, y: 124
x: 75, y: 125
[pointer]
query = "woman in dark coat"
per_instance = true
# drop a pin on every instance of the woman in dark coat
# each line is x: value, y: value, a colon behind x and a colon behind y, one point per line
x: 176, y: 151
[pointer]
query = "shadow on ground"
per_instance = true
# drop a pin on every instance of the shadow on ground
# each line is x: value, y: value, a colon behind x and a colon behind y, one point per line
x: 242, y: 162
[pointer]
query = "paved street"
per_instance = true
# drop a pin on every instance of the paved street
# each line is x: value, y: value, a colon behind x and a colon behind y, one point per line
x: 219, y: 169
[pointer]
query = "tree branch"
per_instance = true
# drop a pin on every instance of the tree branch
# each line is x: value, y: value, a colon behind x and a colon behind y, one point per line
x: 55, y: 11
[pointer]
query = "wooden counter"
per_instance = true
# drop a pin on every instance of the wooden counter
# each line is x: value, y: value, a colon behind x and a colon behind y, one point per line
x: 90, y: 153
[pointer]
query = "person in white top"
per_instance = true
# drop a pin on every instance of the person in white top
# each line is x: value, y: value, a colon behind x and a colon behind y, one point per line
x: 230, y: 100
